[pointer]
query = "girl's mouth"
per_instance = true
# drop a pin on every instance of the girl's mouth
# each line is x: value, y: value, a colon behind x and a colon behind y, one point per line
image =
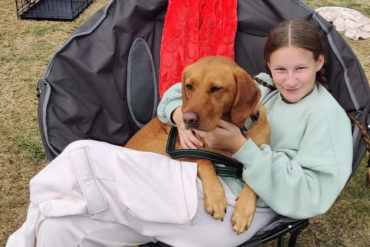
x: 292, y: 90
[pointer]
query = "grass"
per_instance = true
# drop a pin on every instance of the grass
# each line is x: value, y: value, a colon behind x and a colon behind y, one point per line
x: 34, y: 150
x: 26, y: 47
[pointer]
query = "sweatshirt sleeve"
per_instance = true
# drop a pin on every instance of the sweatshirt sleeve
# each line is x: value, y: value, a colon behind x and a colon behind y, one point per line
x: 171, y: 99
x: 302, y: 183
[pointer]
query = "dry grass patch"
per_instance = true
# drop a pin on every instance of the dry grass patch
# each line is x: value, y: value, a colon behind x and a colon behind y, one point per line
x: 26, y: 47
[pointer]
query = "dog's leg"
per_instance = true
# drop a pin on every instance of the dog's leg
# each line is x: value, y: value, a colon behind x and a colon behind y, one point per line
x: 214, y: 194
x: 244, y: 210
x: 246, y: 203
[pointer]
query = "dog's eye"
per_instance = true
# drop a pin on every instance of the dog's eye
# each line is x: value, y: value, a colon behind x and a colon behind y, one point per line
x: 189, y: 86
x: 215, y: 89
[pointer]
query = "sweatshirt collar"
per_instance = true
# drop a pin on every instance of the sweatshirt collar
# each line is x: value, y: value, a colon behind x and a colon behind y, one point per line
x: 308, y: 97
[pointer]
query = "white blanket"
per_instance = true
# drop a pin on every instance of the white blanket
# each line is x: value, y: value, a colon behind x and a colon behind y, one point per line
x: 354, y: 24
x: 101, y: 180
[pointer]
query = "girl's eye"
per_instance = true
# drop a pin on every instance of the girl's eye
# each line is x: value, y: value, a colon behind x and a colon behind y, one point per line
x: 189, y: 87
x: 215, y: 89
x: 301, y: 68
x: 279, y: 69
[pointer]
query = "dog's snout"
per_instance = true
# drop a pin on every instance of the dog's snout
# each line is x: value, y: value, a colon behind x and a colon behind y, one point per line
x: 191, y: 119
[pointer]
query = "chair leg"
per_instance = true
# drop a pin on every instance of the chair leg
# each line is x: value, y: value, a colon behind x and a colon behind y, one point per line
x: 294, y: 234
x: 280, y: 241
x: 293, y: 238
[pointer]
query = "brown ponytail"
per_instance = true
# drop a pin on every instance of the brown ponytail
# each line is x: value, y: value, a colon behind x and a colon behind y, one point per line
x: 321, y: 77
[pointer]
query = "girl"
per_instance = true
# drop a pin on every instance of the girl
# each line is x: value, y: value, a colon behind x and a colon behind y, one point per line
x: 307, y: 163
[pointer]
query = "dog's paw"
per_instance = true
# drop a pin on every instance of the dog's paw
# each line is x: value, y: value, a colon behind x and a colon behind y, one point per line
x: 243, y: 214
x: 215, y: 202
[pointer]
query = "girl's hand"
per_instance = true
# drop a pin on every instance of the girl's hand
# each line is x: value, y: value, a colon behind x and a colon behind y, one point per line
x: 226, y: 136
x: 187, y: 138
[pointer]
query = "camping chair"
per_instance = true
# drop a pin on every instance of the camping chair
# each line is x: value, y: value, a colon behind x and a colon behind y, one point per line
x: 102, y: 84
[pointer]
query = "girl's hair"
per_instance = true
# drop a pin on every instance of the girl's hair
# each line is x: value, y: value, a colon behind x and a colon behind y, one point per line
x: 299, y: 34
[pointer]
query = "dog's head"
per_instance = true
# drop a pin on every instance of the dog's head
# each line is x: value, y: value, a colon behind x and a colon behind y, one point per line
x: 216, y: 87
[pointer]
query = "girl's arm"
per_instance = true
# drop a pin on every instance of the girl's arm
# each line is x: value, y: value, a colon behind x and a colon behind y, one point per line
x: 171, y: 100
x: 302, y: 183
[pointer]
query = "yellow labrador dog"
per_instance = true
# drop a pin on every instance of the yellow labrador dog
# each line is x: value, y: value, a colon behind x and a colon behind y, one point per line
x: 214, y: 88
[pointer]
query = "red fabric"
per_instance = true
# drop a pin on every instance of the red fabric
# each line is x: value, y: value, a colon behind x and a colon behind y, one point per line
x: 194, y: 29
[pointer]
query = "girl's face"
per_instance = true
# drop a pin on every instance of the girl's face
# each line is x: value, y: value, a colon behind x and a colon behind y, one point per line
x: 294, y: 72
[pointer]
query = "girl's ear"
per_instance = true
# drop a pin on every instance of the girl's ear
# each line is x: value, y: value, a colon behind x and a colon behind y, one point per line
x: 320, y: 62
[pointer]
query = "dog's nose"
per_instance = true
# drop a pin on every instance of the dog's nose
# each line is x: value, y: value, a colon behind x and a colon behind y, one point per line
x: 191, y: 119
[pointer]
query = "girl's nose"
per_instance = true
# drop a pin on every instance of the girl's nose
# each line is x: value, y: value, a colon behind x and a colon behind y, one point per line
x: 291, y: 80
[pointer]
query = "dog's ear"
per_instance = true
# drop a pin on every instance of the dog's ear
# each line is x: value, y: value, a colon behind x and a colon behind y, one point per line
x: 246, y: 98
x: 185, y: 75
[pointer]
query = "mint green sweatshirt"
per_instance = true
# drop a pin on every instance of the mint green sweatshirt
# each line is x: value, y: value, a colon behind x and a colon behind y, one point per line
x: 308, y: 161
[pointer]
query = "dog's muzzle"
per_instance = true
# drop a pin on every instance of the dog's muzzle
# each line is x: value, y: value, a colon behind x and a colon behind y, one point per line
x: 191, y: 119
